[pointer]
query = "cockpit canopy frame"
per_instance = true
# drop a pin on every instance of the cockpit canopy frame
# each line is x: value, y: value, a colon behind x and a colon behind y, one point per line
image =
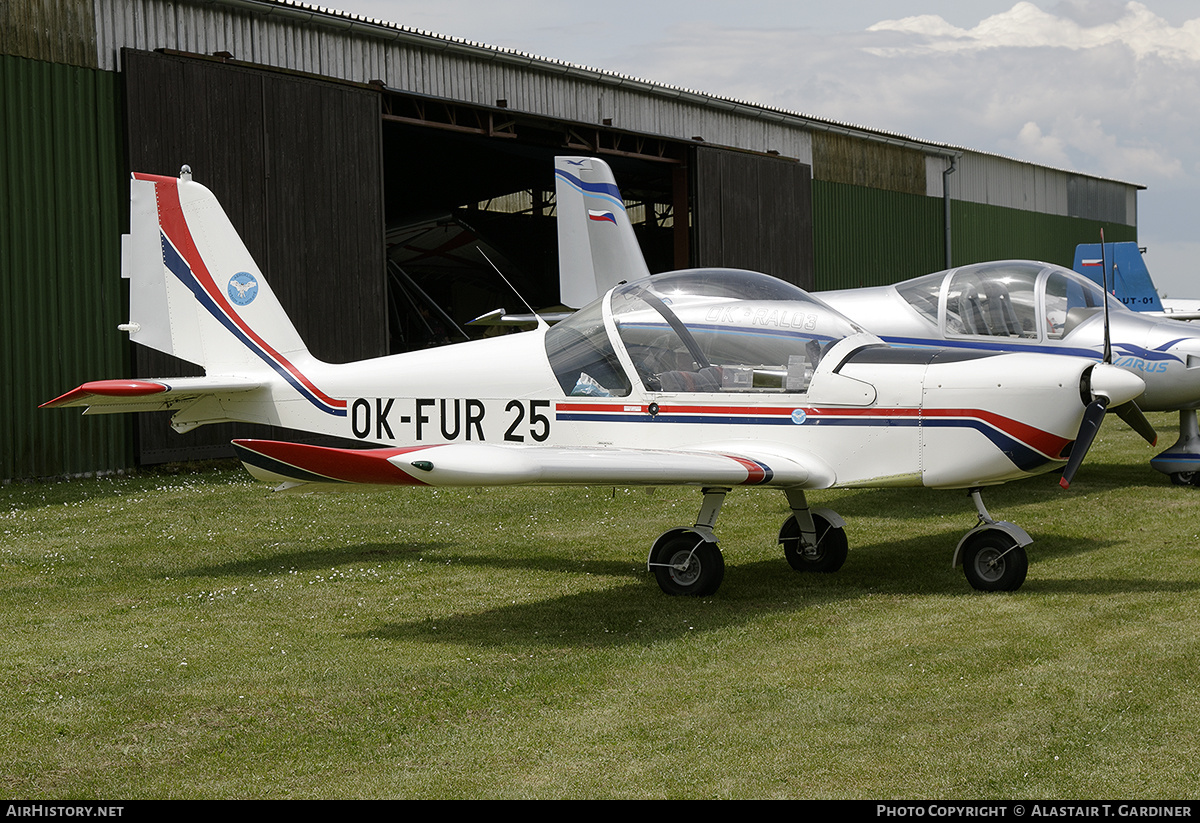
x: 699, y: 330
x: 1021, y: 299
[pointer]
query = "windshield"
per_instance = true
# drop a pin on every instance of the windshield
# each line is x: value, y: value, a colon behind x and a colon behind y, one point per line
x: 583, y: 358
x: 724, y: 330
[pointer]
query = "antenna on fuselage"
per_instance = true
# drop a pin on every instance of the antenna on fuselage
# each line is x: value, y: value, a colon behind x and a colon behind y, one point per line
x: 541, y: 321
x: 1104, y: 285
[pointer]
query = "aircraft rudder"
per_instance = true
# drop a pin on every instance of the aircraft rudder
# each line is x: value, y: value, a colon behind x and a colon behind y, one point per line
x: 596, y: 241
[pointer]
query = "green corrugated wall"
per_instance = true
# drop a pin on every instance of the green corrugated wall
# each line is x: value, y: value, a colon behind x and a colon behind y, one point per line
x: 992, y: 233
x: 63, y: 207
x: 872, y: 237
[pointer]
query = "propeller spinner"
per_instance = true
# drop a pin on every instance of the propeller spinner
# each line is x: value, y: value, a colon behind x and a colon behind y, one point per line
x: 1106, y: 385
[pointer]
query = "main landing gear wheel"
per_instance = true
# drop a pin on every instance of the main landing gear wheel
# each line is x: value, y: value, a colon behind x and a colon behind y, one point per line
x: 687, y: 564
x: 1184, y: 478
x: 993, y: 562
x: 827, y: 556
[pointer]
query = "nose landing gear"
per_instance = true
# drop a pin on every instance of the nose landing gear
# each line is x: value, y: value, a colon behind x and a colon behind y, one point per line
x: 993, y: 553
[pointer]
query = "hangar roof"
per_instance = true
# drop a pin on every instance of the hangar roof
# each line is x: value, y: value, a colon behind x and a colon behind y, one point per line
x: 346, y: 21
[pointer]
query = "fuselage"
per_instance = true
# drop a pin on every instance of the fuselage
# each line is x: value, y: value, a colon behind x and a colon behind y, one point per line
x: 780, y: 378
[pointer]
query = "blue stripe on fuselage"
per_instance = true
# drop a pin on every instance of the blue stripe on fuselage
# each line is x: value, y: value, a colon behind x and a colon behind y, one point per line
x: 1022, y: 456
x: 1124, y: 349
x: 183, y: 272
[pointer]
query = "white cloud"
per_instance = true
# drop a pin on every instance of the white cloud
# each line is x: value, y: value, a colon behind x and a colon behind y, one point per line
x: 1111, y: 95
x: 1040, y: 147
x: 1027, y: 26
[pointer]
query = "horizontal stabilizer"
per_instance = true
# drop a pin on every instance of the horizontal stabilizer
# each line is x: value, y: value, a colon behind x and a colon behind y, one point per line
x: 110, y: 396
x: 1169, y: 313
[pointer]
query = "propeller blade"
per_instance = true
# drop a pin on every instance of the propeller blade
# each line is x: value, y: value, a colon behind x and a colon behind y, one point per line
x: 1136, y: 420
x: 1092, y: 417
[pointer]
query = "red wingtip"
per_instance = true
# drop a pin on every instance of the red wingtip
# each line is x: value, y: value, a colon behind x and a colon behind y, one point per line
x: 107, y: 388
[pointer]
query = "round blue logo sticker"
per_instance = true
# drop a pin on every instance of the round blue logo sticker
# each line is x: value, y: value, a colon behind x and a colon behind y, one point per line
x: 798, y: 416
x: 243, y: 288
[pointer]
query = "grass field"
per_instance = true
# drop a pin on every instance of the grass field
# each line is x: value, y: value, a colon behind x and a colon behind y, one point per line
x: 193, y: 634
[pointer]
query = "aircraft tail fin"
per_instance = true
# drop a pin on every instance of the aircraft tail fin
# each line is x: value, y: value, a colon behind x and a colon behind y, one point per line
x: 1128, y: 279
x: 196, y: 293
x: 596, y: 245
x: 194, y: 290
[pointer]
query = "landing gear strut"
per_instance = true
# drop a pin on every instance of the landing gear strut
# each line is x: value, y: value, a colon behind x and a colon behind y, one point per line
x: 1182, y: 461
x: 993, y: 553
x: 687, y: 561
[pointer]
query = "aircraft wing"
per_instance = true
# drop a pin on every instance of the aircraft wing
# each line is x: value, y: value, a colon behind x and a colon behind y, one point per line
x: 500, y: 317
x: 487, y: 464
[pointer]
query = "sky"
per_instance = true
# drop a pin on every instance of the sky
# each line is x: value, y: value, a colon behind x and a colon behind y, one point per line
x: 1103, y: 87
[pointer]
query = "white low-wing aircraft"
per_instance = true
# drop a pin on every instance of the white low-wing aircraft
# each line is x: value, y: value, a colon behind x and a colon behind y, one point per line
x: 1029, y: 306
x: 710, y: 378
x: 1014, y: 306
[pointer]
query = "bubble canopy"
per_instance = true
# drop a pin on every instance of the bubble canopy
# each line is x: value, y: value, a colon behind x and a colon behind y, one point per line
x: 1008, y: 298
x: 711, y: 330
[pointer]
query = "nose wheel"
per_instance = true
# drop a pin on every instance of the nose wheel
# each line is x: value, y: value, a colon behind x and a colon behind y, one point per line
x: 1180, y: 462
x: 993, y: 562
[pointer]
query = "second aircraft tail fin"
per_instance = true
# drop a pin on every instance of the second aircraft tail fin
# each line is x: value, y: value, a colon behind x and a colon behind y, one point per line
x: 596, y: 245
x: 1128, y: 278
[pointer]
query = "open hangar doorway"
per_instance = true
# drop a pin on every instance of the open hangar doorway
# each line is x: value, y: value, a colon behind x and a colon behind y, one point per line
x: 451, y: 197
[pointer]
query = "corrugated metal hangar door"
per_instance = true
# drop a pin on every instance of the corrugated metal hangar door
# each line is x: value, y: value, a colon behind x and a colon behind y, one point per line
x: 296, y: 164
x: 753, y: 212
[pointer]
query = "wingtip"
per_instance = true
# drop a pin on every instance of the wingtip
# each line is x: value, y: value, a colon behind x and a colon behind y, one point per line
x: 106, y: 388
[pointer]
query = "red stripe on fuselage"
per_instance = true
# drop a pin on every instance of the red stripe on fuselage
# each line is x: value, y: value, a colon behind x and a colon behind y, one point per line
x: 641, y: 408
x: 1048, y: 444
